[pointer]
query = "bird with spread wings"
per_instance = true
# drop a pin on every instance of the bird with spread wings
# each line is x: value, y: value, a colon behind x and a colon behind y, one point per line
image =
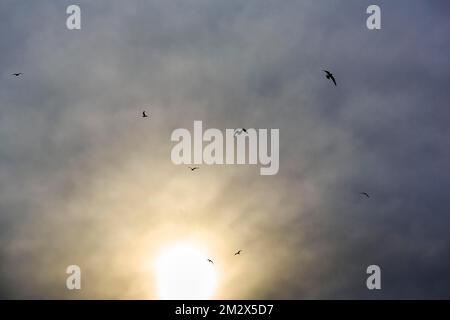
x: 330, y: 76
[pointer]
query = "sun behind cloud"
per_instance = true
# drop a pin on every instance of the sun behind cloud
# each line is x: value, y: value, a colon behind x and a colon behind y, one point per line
x: 183, y: 272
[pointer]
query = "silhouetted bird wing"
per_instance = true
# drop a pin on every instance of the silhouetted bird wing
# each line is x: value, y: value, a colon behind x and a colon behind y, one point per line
x: 333, y: 79
x: 330, y: 76
x: 365, y: 194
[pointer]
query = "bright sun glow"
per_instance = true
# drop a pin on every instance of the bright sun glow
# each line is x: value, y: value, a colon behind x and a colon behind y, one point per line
x: 183, y: 272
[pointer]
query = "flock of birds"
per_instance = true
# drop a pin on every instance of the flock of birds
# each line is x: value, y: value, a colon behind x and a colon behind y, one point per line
x: 237, y: 132
x: 237, y: 253
x: 240, y: 131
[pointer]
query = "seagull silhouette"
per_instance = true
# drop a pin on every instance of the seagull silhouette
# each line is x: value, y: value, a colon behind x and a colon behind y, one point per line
x: 194, y: 168
x: 17, y: 74
x: 330, y: 76
x: 209, y: 260
x: 144, y: 114
x: 239, y: 131
x: 364, y: 194
x: 238, y: 253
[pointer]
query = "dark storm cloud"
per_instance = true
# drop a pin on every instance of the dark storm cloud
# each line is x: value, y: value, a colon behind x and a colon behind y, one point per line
x: 70, y: 121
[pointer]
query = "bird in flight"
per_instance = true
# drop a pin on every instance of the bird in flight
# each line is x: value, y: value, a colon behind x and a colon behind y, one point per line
x: 330, y: 76
x: 144, y: 114
x: 238, y: 253
x: 209, y: 260
x: 193, y: 168
x: 364, y: 194
x: 239, y: 131
x: 17, y: 74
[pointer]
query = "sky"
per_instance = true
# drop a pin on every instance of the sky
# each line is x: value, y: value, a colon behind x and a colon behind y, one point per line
x: 85, y: 180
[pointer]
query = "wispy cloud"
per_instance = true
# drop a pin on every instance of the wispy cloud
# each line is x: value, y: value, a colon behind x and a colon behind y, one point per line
x: 85, y: 181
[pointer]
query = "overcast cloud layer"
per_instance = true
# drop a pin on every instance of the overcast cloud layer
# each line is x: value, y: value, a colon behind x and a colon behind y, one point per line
x: 83, y: 180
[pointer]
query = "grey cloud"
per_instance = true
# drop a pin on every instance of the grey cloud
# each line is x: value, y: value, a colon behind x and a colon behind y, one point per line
x: 77, y: 166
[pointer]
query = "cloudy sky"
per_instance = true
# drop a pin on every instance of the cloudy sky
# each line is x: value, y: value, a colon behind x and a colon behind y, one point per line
x: 85, y: 180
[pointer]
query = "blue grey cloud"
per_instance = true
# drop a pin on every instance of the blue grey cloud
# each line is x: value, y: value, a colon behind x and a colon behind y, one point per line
x: 84, y: 180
